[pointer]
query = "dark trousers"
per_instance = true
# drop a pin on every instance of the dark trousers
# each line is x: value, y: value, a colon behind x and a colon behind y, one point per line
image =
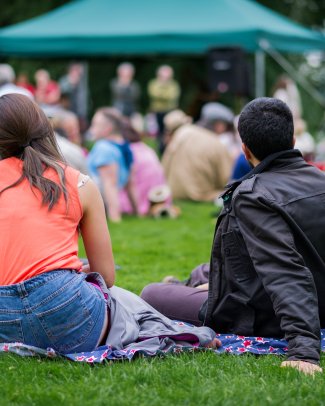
x: 179, y: 301
x: 161, y: 131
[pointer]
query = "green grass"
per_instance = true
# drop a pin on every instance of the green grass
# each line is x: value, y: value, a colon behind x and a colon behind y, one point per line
x: 147, y: 250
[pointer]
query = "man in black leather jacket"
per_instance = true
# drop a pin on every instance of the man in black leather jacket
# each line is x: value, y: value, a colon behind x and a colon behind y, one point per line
x: 267, y: 268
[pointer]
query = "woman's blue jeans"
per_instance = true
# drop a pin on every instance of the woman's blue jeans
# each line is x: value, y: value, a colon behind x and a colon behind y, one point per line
x: 56, y: 309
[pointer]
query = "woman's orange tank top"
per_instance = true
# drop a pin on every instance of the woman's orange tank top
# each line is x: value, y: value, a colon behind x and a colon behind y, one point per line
x: 34, y: 239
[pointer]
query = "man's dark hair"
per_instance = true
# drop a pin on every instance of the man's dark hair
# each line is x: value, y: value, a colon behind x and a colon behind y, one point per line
x: 266, y: 126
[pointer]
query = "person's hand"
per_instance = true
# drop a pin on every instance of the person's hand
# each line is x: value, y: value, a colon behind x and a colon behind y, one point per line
x: 303, y: 366
x: 215, y: 343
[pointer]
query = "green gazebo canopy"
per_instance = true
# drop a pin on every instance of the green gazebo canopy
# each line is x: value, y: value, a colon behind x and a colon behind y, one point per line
x: 139, y: 27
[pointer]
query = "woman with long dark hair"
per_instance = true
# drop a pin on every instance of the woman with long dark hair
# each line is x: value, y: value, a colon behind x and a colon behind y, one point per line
x: 44, y: 299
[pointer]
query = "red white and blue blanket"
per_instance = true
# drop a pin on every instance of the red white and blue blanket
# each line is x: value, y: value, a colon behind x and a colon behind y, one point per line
x: 232, y: 344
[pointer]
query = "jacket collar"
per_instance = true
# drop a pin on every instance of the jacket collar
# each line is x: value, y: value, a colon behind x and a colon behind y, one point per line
x: 285, y: 157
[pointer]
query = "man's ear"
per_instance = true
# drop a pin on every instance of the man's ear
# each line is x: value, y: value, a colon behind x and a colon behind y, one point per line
x: 247, y: 152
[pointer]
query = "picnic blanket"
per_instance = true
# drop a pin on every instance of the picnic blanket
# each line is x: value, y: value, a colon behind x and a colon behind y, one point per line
x: 231, y: 343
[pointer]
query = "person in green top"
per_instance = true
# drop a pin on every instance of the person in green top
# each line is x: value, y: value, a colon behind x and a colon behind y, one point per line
x: 164, y: 93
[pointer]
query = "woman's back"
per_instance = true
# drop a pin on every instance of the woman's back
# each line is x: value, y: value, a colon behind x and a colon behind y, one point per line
x: 33, y: 238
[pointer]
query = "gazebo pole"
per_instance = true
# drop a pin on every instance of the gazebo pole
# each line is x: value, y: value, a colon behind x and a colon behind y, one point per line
x: 259, y: 73
x: 294, y: 74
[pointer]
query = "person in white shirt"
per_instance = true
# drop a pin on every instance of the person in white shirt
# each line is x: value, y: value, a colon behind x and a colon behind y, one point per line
x: 7, y: 85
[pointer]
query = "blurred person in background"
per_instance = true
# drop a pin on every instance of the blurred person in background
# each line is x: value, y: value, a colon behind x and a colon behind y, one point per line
x: 241, y: 165
x: 148, y: 172
x: 23, y: 81
x: 304, y: 140
x: 69, y: 124
x: 220, y: 119
x: 110, y: 161
x: 125, y: 91
x: 47, y: 90
x: 287, y: 91
x: 74, y: 88
x: 197, y: 164
x: 164, y: 93
x: 7, y: 82
x: 172, y: 121
x: 73, y: 154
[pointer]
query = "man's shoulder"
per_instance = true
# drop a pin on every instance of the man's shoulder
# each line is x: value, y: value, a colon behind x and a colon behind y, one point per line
x: 252, y: 190
x: 247, y: 185
x: 282, y: 187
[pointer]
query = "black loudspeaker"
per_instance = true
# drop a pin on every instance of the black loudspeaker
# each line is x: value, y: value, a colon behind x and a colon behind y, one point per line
x: 228, y: 71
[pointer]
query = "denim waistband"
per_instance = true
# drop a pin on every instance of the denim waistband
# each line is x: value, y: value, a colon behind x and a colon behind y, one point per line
x: 34, y: 282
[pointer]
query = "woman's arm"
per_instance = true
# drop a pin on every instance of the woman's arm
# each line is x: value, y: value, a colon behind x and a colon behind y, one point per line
x: 108, y: 177
x: 131, y: 191
x: 95, y: 233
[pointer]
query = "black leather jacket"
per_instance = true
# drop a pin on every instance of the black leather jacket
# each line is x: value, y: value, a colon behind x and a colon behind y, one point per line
x: 267, y: 268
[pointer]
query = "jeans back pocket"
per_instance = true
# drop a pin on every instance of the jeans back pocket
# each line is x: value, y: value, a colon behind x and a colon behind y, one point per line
x: 68, y: 324
x: 11, y: 331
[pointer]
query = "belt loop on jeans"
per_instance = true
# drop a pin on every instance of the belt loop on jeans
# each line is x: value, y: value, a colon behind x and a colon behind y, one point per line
x: 22, y: 290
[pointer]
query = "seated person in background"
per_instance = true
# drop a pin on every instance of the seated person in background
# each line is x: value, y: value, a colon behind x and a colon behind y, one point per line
x: 147, y: 172
x: 304, y: 140
x: 196, y: 163
x: 73, y: 154
x: 69, y: 123
x: 220, y: 119
x: 47, y: 90
x: 110, y: 161
x: 7, y: 85
x: 267, y: 268
x: 172, y: 121
x: 23, y: 81
x: 285, y: 89
x: 241, y: 165
x: 47, y: 299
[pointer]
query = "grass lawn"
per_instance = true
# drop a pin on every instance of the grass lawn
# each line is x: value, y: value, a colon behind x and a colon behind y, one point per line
x: 147, y: 250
